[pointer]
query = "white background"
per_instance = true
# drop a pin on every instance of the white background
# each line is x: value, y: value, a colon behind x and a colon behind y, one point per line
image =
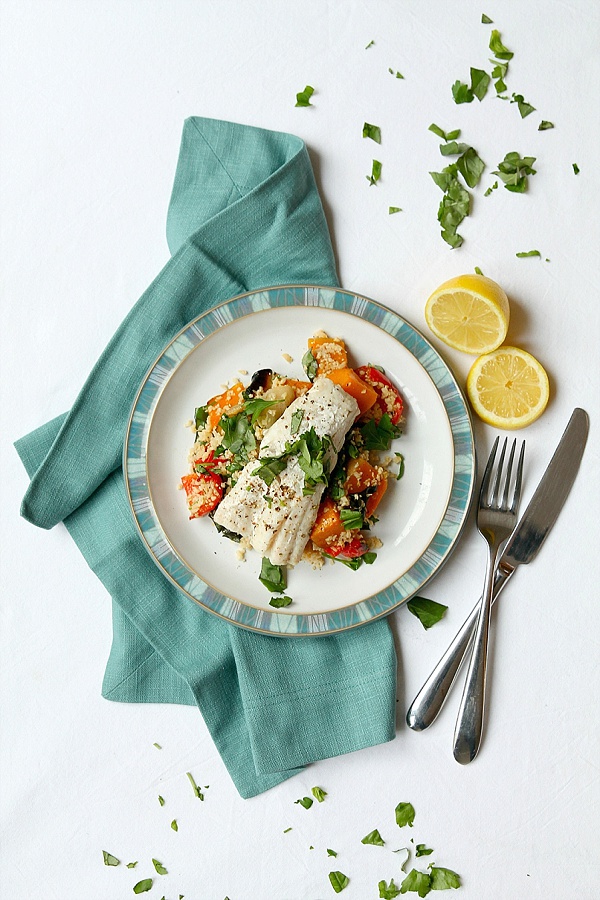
x: 93, y: 98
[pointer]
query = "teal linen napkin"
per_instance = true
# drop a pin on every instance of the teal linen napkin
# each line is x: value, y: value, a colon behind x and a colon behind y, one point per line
x: 245, y: 213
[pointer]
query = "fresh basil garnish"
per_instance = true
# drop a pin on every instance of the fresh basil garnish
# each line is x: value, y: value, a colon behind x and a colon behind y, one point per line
x: 273, y: 577
x: 338, y: 881
x: 303, y: 97
x: 372, y: 131
x: 428, y: 612
x: 280, y: 602
x: 405, y: 814
x: 310, y: 365
x: 373, y: 838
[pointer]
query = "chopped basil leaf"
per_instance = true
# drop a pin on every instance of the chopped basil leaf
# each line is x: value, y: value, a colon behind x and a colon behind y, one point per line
x: 279, y: 602
x: 372, y: 131
x: 306, y: 802
x: 477, y: 272
x: 318, y: 793
x: 443, y: 879
x: 351, y: 519
x: 461, y: 92
x: 455, y: 204
x: 256, y: 406
x: 200, y: 417
x: 394, y: 209
x: 159, y: 867
x: 109, y: 859
x: 195, y: 787
x: 405, y: 850
x: 405, y: 814
x: 480, y: 81
x: 331, y: 852
x: 485, y: 20
x: 373, y: 838
x: 513, y: 171
x: 399, y: 456
x: 310, y: 365
x: 303, y: 97
x: 524, y: 108
x: 397, y: 74
x: 132, y: 865
x: 174, y: 825
x: 379, y: 435
x: 576, y: 168
x: 498, y: 48
x: 500, y: 69
x: 161, y: 800
x: 470, y: 167
x: 545, y: 125
x: 388, y: 891
x: 419, y: 882
x: 238, y: 436
x: 490, y: 189
x: 370, y: 44
x: 369, y: 558
x: 375, y: 175
x: 523, y: 254
x: 338, y: 881
x: 453, y: 149
x: 158, y: 747
x: 285, y: 830
x: 296, y: 421
x: 450, y: 136
x: 428, y: 612
x: 273, y: 577
x: 422, y: 850
x: 270, y: 469
x: 142, y: 886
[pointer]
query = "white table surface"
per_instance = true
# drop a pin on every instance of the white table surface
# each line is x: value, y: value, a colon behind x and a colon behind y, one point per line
x: 93, y: 98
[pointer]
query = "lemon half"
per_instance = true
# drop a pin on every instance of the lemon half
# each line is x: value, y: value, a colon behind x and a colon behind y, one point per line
x: 469, y: 313
x: 508, y: 388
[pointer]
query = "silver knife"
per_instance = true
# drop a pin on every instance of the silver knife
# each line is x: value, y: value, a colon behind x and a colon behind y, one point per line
x: 523, y: 546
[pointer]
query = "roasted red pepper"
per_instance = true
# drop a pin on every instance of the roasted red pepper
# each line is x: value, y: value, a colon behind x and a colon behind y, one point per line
x: 390, y: 399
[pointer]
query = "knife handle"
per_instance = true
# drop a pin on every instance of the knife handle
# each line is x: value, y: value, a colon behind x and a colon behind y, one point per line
x: 427, y: 704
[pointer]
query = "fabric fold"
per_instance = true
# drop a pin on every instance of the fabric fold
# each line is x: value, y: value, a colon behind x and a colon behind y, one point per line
x: 245, y: 214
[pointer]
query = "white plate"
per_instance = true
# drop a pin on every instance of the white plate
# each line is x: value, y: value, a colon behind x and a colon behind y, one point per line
x: 420, y: 516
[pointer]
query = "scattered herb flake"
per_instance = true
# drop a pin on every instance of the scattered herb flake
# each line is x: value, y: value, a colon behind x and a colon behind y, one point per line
x: 388, y: 891
x: 372, y: 131
x: 142, y: 886
x: 493, y: 187
x: 369, y: 558
x: 351, y: 519
x: 485, y: 20
x: 452, y: 148
x: 174, y: 825
x: 296, y: 419
x: 109, y: 859
x: 370, y: 44
x: 524, y: 108
x: 478, y: 271
x: 395, y: 73
x: 280, y: 601
x: 400, y: 460
x: 132, y: 865
x: 406, y: 858
x: 480, y: 82
x: 159, y: 867
x: 419, y: 882
x: 273, y: 577
x: 379, y: 435
x: 306, y: 802
x: 498, y: 48
x: 422, y: 850
x: 514, y: 170
x: 195, y: 787
x: 470, y: 166
x: 303, y: 97
x: 455, y: 204
x: 375, y: 175
x: 394, y: 209
x: 428, y: 612
x: 443, y: 879
x: 158, y: 747
x: 525, y: 253
x: 449, y: 136
x: 310, y: 365
x: 545, y: 125
x: 285, y: 830
x: 339, y: 881
x: 461, y: 92
x: 373, y: 838
x: 576, y: 168
x: 161, y: 800
x: 331, y: 852
x: 405, y: 814
x: 318, y: 793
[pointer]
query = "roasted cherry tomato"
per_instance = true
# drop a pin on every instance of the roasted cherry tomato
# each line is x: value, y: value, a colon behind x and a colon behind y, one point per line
x: 390, y: 399
x: 351, y: 550
x: 204, y: 492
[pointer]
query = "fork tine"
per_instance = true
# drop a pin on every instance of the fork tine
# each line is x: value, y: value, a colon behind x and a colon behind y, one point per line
x: 485, y: 481
x: 504, y: 504
x: 518, y: 480
x: 496, y: 488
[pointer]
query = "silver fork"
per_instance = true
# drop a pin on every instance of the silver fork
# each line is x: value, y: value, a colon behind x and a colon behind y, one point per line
x: 496, y: 520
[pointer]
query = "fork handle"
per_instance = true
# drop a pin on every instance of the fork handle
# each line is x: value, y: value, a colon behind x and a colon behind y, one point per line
x: 469, y: 724
x: 429, y: 701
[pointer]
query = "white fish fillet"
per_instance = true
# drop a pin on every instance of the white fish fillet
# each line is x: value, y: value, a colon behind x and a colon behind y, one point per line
x: 277, y: 519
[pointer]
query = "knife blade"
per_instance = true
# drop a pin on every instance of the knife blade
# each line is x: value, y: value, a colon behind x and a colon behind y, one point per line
x: 523, y: 546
